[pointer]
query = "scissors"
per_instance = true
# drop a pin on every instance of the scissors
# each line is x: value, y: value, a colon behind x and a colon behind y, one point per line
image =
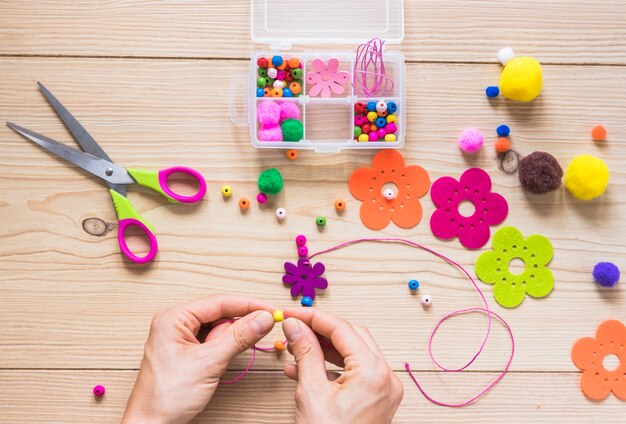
x: 94, y: 160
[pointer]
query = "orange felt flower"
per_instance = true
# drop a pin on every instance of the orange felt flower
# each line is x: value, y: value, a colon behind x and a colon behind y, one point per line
x: 588, y: 354
x: 411, y: 183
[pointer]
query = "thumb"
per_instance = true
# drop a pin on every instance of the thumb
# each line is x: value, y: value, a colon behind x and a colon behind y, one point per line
x: 241, y: 335
x: 307, y: 353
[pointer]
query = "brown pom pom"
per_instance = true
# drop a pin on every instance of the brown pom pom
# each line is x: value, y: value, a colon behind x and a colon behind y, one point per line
x: 540, y: 173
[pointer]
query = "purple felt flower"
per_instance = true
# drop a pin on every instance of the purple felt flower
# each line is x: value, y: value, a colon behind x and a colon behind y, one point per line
x: 304, y: 278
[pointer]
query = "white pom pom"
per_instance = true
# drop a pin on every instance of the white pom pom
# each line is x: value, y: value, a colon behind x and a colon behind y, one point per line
x: 505, y: 54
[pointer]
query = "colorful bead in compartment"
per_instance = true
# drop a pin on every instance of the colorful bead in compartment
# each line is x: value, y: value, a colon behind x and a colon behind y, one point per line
x: 375, y: 121
x: 279, y: 76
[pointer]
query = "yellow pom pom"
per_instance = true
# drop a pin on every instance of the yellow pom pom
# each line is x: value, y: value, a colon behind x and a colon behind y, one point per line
x: 521, y: 79
x: 278, y: 316
x: 587, y: 177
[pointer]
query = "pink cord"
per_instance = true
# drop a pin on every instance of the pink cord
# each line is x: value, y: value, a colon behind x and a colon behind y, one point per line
x: 371, y: 81
x: 442, y: 320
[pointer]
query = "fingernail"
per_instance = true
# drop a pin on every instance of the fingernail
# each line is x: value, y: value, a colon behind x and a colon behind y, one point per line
x: 291, y: 328
x: 262, y: 323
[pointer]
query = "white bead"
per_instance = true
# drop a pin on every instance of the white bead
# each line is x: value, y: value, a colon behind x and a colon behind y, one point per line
x: 505, y: 54
x: 281, y: 213
x: 426, y: 300
x: 381, y: 106
x: 279, y: 84
x: 389, y: 194
x: 272, y: 72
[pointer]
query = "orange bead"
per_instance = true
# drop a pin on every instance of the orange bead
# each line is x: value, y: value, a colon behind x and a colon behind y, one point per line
x: 276, y: 92
x: 295, y: 87
x: 292, y: 154
x: 503, y: 145
x: 340, y: 205
x: 598, y: 133
x: 282, y: 66
x: 267, y: 91
x: 383, y: 113
x: 244, y: 203
x: 279, y: 345
x: 373, y: 128
x: 294, y: 62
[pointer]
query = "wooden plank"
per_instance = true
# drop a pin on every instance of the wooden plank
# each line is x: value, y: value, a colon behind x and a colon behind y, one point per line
x: 579, y: 31
x: 67, y: 294
x: 65, y: 396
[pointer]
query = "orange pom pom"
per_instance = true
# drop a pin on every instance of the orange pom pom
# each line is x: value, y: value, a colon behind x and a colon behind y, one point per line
x: 598, y: 133
x: 503, y: 145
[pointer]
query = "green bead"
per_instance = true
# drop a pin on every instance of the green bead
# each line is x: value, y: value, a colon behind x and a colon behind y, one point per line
x: 261, y: 82
x: 270, y: 81
x: 296, y: 73
x: 262, y: 72
x: 320, y: 221
x: 357, y: 131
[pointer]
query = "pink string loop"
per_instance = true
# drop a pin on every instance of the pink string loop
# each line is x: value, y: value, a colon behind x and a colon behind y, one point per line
x: 369, y: 69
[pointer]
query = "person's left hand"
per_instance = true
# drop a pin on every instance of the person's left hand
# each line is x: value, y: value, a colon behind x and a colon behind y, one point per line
x: 180, y: 369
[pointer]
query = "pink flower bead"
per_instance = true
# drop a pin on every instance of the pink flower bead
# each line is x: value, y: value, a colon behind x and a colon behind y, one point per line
x: 261, y: 198
x: 303, y: 251
x: 391, y: 128
x: 98, y: 391
x: 280, y: 75
x: 301, y: 240
x: 360, y: 120
x: 381, y: 133
x: 373, y: 136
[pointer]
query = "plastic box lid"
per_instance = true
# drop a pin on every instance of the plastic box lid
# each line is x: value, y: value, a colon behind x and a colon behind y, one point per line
x: 283, y: 22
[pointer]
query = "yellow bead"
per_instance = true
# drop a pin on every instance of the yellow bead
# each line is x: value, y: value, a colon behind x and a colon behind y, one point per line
x: 391, y: 118
x: 227, y: 191
x: 278, y: 316
x: 390, y: 137
x: 372, y: 116
x: 364, y: 137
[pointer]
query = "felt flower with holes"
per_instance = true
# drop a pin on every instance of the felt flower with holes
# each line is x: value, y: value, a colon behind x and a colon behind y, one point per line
x: 588, y: 354
x: 510, y: 288
x: 489, y: 208
x: 304, y: 277
x: 325, y: 78
x: 388, y: 169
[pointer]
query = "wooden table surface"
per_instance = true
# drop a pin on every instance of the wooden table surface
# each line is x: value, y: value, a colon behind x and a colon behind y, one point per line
x: 149, y: 80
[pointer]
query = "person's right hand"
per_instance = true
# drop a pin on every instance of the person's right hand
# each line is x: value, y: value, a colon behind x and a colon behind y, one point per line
x: 367, y: 391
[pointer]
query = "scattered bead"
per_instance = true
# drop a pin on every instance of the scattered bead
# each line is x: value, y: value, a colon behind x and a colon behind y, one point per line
x: 381, y: 106
x: 99, y: 390
x: 492, y: 91
x: 426, y: 300
x: 414, y: 284
x: 301, y: 240
x: 320, y: 221
x: 306, y: 301
x: 340, y: 205
x: 389, y: 194
x: 503, y: 145
x: 606, y: 274
x: 261, y: 198
x: 226, y: 191
x: 244, y: 203
x: 392, y: 107
x: 279, y: 345
x: 503, y: 131
x: 281, y: 213
x: 303, y: 251
x: 598, y: 133
x: 292, y: 154
x: 279, y: 316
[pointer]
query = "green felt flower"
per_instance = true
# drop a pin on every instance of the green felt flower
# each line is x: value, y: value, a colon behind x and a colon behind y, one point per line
x: 510, y: 289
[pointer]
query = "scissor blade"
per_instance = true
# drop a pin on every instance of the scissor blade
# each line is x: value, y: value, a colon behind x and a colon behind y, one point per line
x: 81, y: 135
x: 97, y: 166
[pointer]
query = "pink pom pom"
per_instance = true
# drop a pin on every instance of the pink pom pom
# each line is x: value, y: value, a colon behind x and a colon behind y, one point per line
x: 268, y: 113
x: 289, y: 110
x: 272, y: 133
x: 471, y: 140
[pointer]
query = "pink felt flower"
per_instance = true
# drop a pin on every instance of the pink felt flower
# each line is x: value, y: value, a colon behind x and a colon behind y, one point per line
x: 326, y: 78
x: 473, y: 186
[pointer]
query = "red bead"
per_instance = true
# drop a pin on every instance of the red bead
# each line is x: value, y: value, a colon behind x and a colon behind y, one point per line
x: 365, y: 128
x: 288, y: 77
x: 262, y: 62
x: 360, y: 108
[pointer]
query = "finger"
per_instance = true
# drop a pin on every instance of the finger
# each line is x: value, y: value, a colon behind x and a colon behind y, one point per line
x: 330, y: 354
x: 307, y: 352
x: 369, y: 340
x: 340, y: 332
x: 240, y: 336
x: 212, y: 308
x: 291, y: 371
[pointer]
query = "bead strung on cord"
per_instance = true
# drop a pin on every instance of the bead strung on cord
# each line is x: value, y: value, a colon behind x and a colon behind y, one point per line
x: 369, y: 69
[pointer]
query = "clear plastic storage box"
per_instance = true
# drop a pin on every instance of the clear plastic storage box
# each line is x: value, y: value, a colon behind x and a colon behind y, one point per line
x: 328, y: 123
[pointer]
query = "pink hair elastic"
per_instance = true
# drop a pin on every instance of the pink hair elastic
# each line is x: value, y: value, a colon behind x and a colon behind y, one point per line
x: 369, y: 69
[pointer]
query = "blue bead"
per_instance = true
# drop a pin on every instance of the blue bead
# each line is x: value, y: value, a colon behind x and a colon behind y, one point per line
x: 260, y: 92
x: 492, y: 91
x: 414, y: 284
x: 392, y: 107
x: 371, y: 106
x: 287, y: 92
x: 306, y: 301
x: 381, y: 122
x: 503, y: 130
x: 277, y: 60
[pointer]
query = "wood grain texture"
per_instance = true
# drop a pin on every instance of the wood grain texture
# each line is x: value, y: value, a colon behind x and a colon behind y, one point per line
x: 578, y: 31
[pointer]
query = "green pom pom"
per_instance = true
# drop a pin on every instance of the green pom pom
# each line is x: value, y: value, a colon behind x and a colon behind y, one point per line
x: 292, y: 130
x: 270, y: 181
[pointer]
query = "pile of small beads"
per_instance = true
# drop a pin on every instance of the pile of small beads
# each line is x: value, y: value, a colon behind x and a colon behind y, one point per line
x: 279, y: 77
x: 375, y: 121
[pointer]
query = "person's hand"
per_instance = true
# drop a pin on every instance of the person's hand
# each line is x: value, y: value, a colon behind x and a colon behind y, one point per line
x: 182, y: 364
x: 366, y: 392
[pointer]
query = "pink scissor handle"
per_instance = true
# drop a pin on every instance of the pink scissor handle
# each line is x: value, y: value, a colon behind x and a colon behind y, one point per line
x: 164, y: 175
x: 121, y: 238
